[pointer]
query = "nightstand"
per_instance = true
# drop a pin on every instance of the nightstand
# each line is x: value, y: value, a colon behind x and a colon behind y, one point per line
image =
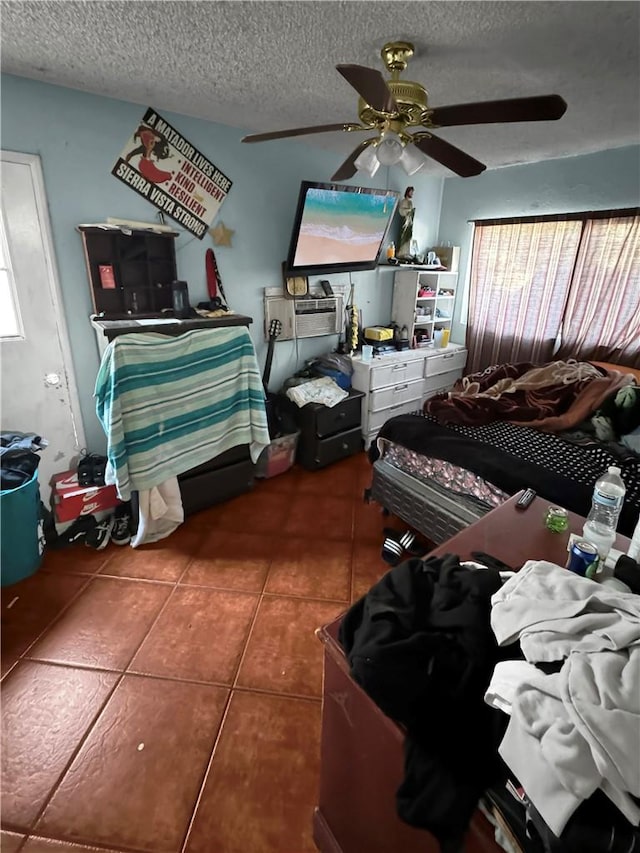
x: 328, y: 434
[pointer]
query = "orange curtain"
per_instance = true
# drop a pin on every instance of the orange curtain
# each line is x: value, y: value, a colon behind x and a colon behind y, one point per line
x: 602, y: 316
x: 520, y: 278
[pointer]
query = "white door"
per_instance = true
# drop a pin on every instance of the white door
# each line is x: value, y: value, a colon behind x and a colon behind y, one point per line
x: 37, y: 391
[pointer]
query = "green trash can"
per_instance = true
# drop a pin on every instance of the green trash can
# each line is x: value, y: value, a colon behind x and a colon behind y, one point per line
x: 21, y: 532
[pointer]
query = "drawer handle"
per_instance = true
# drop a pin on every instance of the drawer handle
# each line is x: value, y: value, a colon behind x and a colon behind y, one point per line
x: 342, y: 414
x: 451, y: 355
x: 399, y: 366
x: 345, y: 446
x: 400, y: 388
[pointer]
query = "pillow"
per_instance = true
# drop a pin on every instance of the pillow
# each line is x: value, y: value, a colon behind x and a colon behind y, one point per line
x: 608, y: 366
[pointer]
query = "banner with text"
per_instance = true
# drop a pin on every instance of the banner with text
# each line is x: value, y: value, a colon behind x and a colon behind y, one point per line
x: 160, y: 165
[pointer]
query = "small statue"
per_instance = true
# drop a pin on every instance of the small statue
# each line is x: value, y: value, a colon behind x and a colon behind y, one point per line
x: 407, y: 212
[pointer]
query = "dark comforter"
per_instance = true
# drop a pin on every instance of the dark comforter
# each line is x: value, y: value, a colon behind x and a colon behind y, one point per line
x: 549, y: 397
x: 515, y: 457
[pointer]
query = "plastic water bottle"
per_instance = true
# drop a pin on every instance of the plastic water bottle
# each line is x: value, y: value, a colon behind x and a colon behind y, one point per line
x: 606, y: 503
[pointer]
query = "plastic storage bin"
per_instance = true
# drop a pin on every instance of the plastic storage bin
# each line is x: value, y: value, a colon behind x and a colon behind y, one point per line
x: 278, y: 457
x: 21, y: 534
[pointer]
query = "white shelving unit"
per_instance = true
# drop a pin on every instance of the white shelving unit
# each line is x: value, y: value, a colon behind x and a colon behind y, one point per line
x: 423, y: 301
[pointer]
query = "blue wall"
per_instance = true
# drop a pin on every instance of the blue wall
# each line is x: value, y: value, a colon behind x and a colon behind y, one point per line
x: 79, y: 137
x: 608, y: 179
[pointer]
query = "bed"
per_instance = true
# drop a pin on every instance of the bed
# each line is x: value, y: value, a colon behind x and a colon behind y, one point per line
x: 442, y: 476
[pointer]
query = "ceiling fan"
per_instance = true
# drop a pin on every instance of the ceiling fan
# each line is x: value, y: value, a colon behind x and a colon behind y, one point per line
x: 392, y: 106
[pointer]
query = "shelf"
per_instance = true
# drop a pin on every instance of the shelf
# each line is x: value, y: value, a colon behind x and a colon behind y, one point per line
x: 425, y: 298
x: 417, y: 267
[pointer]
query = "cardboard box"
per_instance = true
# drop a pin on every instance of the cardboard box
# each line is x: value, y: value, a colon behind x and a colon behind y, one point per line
x: 71, y: 500
x: 449, y: 257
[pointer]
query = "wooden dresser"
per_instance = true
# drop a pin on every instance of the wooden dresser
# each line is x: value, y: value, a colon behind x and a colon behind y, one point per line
x: 361, y: 748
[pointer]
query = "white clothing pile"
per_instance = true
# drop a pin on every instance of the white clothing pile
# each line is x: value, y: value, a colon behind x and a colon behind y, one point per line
x: 324, y: 391
x: 507, y: 676
x: 577, y: 730
x: 160, y: 512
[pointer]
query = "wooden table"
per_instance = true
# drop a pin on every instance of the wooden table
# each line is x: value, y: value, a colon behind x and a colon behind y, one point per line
x: 361, y: 751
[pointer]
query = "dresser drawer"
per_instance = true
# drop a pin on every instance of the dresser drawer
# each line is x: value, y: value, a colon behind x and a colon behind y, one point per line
x: 397, y: 394
x: 376, y: 419
x: 397, y: 373
x: 445, y: 362
x: 441, y: 381
x: 338, y: 418
x: 327, y: 450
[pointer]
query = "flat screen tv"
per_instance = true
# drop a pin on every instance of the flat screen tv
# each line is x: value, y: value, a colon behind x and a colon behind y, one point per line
x: 339, y: 228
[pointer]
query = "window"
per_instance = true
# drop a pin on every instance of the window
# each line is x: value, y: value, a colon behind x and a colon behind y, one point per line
x: 545, y: 282
x: 10, y: 320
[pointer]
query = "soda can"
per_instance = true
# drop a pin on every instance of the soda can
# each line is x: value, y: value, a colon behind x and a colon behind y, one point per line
x: 583, y: 559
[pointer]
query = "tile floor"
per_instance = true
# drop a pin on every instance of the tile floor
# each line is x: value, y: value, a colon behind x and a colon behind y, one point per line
x: 168, y: 698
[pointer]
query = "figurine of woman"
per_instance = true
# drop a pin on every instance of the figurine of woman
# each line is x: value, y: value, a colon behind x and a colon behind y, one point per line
x: 406, y: 211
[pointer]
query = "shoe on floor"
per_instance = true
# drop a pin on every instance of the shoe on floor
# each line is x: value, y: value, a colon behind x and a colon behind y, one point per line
x: 396, y: 543
x: 121, y: 532
x: 99, y: 537
x: 75, y: 533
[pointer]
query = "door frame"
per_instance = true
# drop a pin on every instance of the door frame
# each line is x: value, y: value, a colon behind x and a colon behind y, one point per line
x: 33, y: 162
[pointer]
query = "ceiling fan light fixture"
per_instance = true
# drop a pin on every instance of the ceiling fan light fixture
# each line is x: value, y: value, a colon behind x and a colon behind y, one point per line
x: 412, y: 160
x: 367, y: 161
x: 389, y: 149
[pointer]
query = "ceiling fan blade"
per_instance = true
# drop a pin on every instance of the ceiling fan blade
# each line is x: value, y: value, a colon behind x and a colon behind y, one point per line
x: 539, y: 108
x: 348, y: 168
x: 301, y: 131
x: 447, y: 154
x: 371, y: 86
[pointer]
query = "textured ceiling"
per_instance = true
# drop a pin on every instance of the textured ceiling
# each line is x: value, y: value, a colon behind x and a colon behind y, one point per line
x: 268, y: 65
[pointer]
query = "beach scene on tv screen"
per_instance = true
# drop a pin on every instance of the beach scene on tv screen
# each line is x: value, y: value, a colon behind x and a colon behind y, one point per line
x: 341, y: 227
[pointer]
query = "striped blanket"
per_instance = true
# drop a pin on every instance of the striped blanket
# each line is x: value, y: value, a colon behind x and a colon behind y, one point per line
x: 168, y: 404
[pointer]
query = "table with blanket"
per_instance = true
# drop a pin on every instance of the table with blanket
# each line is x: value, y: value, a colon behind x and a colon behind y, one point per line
x: 554, y: 428
x: 411, y: 739
x: 168, y: 404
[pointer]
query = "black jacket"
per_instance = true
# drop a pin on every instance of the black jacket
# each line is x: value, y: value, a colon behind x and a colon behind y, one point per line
x: 420, y: 644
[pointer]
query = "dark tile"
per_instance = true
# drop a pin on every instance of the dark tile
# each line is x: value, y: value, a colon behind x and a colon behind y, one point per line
x: 369, y: 522
x: 10, y: 842
x: 262, y: 787
x: 311, y: 568
x: 105, y: 625
x: 76, y: 559
x: 368, y: 568
x: 46, y: 711
x: 46, y: 845
x: 285, y: 483
x: 200, y: 636
x: 340, y: 479
x: 322, y: 516
x: 283, y: 653
x: 165, y: 560
x: 135, y: 781
x: 30, y: 606
x: 257, y: 511
x: 229, y: 560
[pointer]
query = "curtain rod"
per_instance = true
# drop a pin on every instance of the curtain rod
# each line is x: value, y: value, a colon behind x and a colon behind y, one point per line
x: 559, y: 217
